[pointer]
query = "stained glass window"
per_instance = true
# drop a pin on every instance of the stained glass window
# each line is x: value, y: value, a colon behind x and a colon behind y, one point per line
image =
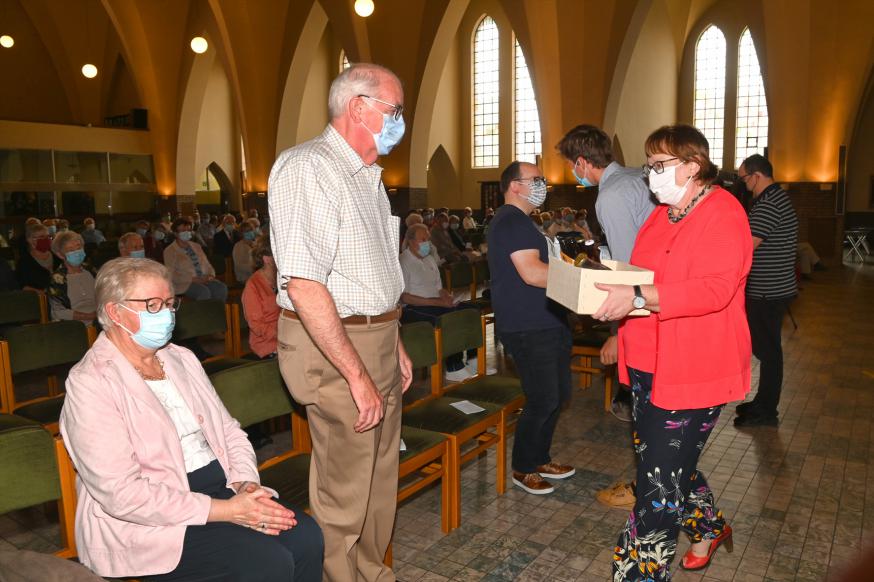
x: 527, y: 120
x: 710, y: 90
x: 751, y: 135
x: 486, y: 94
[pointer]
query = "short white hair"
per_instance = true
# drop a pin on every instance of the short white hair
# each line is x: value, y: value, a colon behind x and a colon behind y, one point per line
x: 118, y: 279
x: 125, y: 238
x: 62, y: 238
x: 359, y: 79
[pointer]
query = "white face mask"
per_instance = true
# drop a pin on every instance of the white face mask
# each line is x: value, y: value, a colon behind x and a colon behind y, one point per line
x: 664, y: 185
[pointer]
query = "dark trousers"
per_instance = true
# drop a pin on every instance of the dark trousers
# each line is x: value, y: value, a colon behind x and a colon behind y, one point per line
x: 431, y: 314
x: 671, y: 492
x: 765, y: 318
x: 542, y: 358
x: 223, y: 551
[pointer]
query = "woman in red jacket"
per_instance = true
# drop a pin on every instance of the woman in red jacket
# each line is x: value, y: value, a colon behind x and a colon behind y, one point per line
x: 685, y: 360
x: 259, y: 300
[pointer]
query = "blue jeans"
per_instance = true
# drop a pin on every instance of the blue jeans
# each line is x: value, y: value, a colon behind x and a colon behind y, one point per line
x: 213, y: 289
x: 543, y: 360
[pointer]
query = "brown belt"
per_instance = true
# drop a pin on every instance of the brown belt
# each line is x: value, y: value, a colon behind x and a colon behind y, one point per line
x: 392, y: 315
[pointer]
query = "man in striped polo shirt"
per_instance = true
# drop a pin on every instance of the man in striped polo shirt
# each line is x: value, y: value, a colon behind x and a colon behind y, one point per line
x: 771, y: 285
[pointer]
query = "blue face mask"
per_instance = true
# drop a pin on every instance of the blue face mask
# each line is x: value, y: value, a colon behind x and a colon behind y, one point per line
x: 75, y: 258
x: 141, y: 231
x: 140, y: 254
x: 185, y: 235
x: 425, y: 248
x: 52, y: 229
x: 249, y: 235
x: 584, y: 182
x: 156, y: 329
x: 159, y: 235
x: 391, y: 134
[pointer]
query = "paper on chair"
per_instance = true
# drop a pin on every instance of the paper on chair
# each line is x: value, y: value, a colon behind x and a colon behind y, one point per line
x: 467, y: 407
x: 403, y: 446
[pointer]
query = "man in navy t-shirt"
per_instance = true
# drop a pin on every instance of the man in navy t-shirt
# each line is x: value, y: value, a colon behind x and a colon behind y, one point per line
x: 533, y: 329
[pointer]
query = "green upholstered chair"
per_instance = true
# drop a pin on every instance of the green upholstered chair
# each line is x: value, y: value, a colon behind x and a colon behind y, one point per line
x: 255, y: 392
x: 41, y: 347
x: 35, y: 469
x: 585, y: 351
x: 464, y: 330
x: 434, y: 413
x: 199, y: 319
x: 457, y: 276
x: 18, y: 307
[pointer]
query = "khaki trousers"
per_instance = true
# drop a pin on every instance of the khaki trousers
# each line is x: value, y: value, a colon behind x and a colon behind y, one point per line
x: 353, y: 476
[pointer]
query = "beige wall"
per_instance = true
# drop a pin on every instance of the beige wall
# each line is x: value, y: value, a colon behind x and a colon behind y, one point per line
x: 218, y: 138
x: 444, y: 187
x: 314, y: 105
x: 649, y: 91
x: 47, y: 136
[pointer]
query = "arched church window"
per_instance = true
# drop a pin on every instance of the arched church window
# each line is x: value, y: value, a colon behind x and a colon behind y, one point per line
x: 527, y: 120
x: 751, y: 136
x: 710, y: 90
x: 344, y: 61
x: 486, y: 94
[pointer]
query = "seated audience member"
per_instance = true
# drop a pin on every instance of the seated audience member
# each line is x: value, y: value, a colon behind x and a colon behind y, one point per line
x: 488, y: 215
x: 428, y: 217
x: 51, y: 225
x: 253, y: 213
x: 71, y: 290
x: 412, y: 218
x: 468, y: 222
x: 130, y: 244
x: 581, y: 224
x: 567, y: 219
x: 425, y: 299
x: 808, y: 260
x: 224, y: 240
x: 243, y: 252
x: 63, y: 224
x: 455, y: 233
x: 206, y: 229
x: 20, y: 240
x: 169, y: 485
x: 193, y: 275
x: 551, y: 227
x: 154, y: 241
x: 441, y: 241
x: 90, y: 234
x: 37, y: 263
x: 259, y: 300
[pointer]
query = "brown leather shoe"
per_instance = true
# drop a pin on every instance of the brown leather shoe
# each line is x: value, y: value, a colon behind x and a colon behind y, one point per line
x: 553, y: 470
x: 532, y: 483
x: 619, y: 494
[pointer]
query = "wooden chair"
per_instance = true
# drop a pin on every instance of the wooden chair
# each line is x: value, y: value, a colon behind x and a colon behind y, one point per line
x: 41, y: 347
x: 239, y: 328
x: 35, y: 469
x: 586, y: 347
x: 19, y: 307
x: 435, y: 413
x: 459, y: 276
x: 198, y: 319
x: 459, y: 331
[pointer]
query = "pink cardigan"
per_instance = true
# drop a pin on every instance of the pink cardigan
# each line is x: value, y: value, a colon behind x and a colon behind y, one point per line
x: 134, y: 499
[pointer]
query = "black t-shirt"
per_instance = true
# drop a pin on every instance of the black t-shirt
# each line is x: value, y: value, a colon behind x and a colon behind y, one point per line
x: 518, y: 306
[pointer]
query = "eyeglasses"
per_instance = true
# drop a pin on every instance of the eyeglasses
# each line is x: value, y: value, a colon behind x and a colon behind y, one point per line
x: 657, y: 167
x: 536, y: 180
x: 156, y: 304
x: 744, y: 178
x: 398, y: 109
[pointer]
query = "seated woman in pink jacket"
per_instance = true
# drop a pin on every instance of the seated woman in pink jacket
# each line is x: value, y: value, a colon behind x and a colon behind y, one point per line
x: 168, y: 482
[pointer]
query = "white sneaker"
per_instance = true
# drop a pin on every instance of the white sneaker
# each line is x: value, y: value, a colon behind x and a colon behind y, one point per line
x: 457, y: 376
x: 471, y: 365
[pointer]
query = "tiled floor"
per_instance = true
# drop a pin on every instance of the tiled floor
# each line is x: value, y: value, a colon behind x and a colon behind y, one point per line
x: 799, y: 497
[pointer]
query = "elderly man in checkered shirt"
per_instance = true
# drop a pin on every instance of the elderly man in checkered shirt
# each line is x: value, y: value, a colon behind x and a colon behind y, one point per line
x: 335, y: 244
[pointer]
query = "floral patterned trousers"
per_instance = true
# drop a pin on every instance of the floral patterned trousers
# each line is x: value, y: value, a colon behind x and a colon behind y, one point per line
x: 671, y: 493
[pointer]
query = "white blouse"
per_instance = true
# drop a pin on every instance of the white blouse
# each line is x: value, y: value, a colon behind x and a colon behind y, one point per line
x: 195, y: 449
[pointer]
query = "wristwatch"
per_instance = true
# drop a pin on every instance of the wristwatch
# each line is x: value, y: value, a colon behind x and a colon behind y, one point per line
x: 639, y: 302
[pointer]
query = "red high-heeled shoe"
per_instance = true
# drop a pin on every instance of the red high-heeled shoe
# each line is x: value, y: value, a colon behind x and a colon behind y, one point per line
x: 692, y: 562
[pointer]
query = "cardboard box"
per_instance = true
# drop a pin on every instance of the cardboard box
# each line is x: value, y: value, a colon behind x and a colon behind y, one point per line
x: 574, y: 287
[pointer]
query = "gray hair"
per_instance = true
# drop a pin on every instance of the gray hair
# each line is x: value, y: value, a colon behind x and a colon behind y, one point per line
x: 125, y: 238
x: 411, y: 232
x: 62, y: 238
x: 413, y: 218
x: 118, y: 278
x: 359, y: 79
x: 33, y: 230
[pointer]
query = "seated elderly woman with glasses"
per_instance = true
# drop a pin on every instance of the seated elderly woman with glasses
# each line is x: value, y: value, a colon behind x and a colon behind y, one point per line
x: 168, y: 482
